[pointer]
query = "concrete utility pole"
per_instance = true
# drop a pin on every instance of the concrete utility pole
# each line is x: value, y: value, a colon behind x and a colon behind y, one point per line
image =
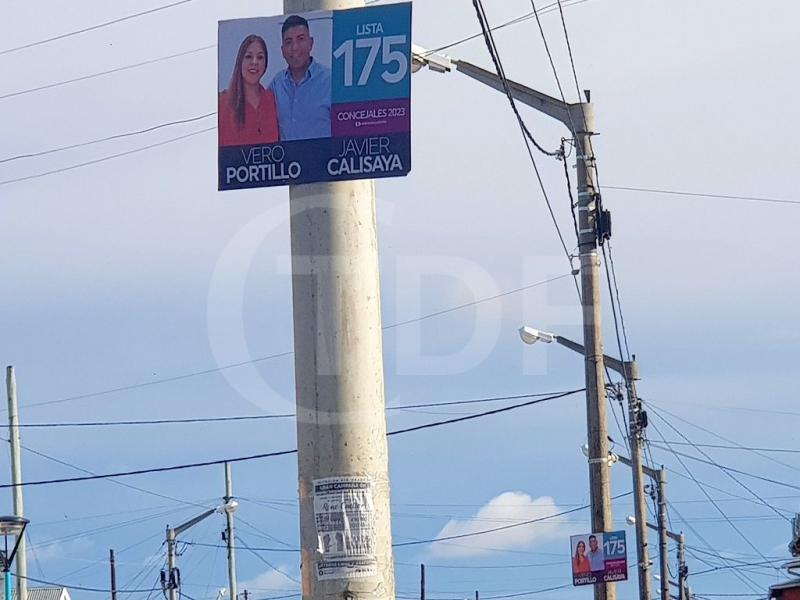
x: 16, y: 479
x: 660, y: 478
x: 171, y: 580
x: 596, y: 406
x: 229, y: 535
x: 593, y: 225
x: 113, y: 564
x: 341, y: 422
x: 663, y: 549
x: 637, y: 422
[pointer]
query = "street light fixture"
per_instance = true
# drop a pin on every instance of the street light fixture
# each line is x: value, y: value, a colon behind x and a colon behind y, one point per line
x: 10, y: 526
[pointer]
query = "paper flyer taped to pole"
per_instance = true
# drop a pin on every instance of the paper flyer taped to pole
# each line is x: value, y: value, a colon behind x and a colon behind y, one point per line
x: 344, y: 515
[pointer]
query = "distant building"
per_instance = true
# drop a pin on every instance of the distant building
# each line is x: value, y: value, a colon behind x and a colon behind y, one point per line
x: 40, y: 593
x: 790, y: 590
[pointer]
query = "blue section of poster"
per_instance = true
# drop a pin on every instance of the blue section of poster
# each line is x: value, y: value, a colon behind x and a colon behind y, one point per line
x: 370, y: 53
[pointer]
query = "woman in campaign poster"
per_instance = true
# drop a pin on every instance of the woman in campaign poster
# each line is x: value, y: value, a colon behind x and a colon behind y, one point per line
x: 580, y: 562
x: 247, y: 112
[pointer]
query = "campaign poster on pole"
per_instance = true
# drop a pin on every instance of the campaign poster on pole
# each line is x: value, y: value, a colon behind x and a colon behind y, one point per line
x: 344, y: 514
x: 314, y: 96
x: 599, y: 557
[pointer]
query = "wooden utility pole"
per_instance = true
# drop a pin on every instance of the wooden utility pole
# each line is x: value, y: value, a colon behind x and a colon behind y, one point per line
x: 422, y: 582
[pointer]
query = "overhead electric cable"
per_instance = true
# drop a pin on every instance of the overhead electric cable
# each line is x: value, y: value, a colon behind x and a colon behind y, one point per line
x: 619, y: 302
x: 503, y: 527
x: 276, y: 453
x: 280, y: 354
x: 737, y: 447
x: 71, y: 586
x: 122, y: 483
x: 94, y: 27
x: 107, y: 138
x: 152, y: 61
x: 703, y: 195
x: 526, y: 134
x: 197, y: 420
x: 730, y: 469
x: 755, y: 451
x: 748, y: 581
x: 265, y: 561
x: 522, y: 18
x: 106, y: 158
x: 711, y: 500
x: 730, y: 475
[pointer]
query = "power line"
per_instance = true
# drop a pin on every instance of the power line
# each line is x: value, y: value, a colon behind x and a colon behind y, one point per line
x: 48, y: 86
x: 732, y: 469
x: 105, y: 158
x: 194, y: 420
x: 522, y: 18
x: 526, y: 134
x: 503, y: 527
x: 710, y: 499
x: 122, y: 483
x: 82, y: 588
x: 740, y: 576
x: 266, y: 562
x: 724, y: 439
x: 107, y: 138
x: 736, y: 447
x: 483, y: 414
x: 276, y: 453
x: 702, y: 195
x: 280, y: 354
x: 93, y: 27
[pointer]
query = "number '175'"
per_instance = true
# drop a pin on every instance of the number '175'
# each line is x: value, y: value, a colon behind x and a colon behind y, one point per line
x: 376, y: 45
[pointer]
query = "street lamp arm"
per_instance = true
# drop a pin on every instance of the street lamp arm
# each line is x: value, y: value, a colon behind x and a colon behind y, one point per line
x: 441, y: 63
x: 652, y: 473
x: 548, y: 105
x: 176, y: 531
x: 626, y: 370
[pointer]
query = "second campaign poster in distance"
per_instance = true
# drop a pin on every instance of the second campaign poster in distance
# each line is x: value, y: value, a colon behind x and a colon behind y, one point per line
x: 315, y: 96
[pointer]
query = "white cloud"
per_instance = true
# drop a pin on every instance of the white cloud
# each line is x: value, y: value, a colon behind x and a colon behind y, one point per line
x: 61, y: 550
x: 273, y: 580
x: 506, y: 509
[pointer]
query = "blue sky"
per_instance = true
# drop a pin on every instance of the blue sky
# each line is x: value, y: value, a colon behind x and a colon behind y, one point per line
x: 135, y: 269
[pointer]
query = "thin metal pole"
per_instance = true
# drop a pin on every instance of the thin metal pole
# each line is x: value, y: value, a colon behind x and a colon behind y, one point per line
x: 597, y: 423
x: 422, y: 582
x: 7, y: 577
x: 172, y: 571
x: 639, y: 501
x: 113, y: 564
x: 663, y: 549
x: 339, y: 382
x: 16, y: 479
x: 229, y: 535
x: 683, y: 571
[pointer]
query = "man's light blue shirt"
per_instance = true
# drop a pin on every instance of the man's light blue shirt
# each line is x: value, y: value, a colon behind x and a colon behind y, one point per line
x: 304, y: 109
x: 597, y: 560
